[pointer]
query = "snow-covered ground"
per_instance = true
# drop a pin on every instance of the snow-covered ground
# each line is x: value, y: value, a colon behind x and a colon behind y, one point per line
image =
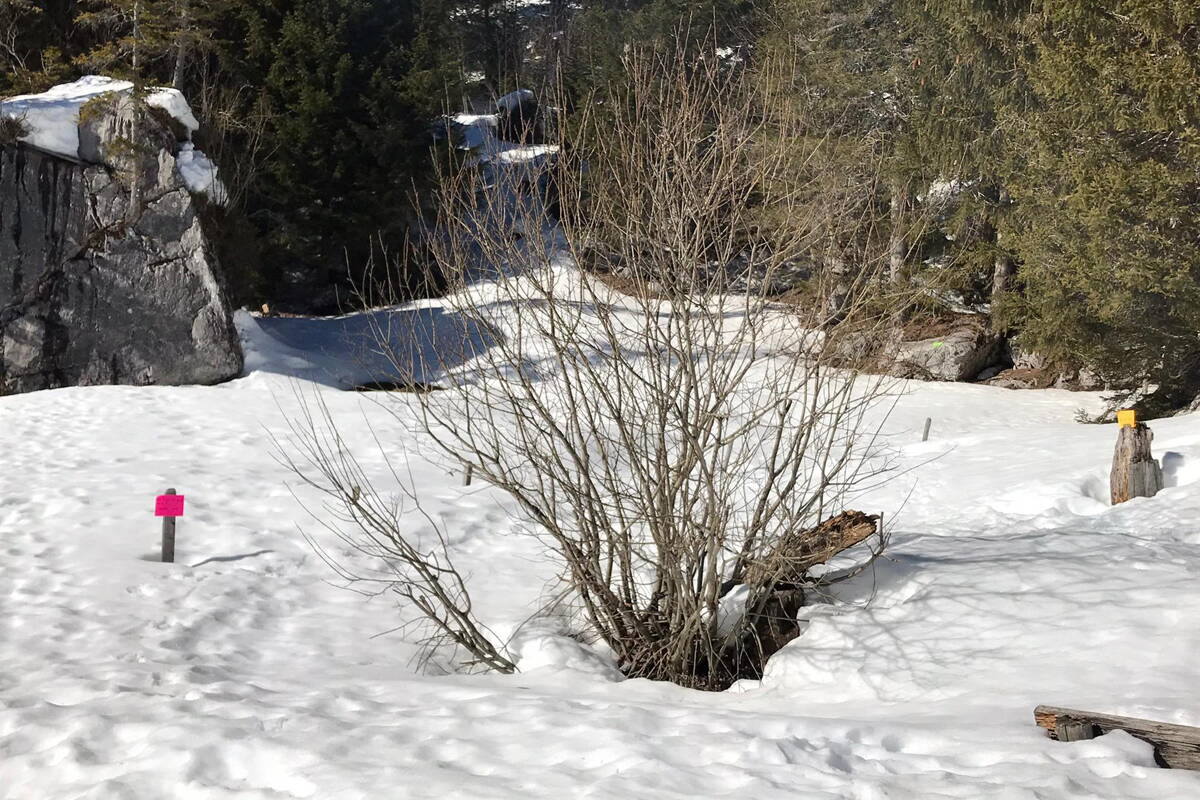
x: 243, y: 671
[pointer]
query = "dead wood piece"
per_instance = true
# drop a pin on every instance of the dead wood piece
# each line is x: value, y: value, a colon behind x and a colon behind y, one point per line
x: 398, y: 386
x: 1135, y: 473
x: 799, y: 552
x: 1176, y: 746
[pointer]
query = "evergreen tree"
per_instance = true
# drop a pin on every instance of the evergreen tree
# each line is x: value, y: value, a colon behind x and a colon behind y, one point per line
x: 353, y: 87
x: 34, y: 44
x: 1109, y: 198
x: 132, y: 35
x: 16, y: 16
x: 852, y: 78
x: 965, y: 56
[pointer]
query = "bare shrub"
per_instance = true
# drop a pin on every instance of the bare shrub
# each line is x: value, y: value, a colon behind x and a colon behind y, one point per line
x: 686, y: 448
x: 12, y: 129
x: 367, y: 521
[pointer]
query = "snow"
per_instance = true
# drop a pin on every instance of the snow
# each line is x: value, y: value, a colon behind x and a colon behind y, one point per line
x: 53, y: 116
x: 525, y: 153
x: 199, y: 174
x: 942, y: 191
x: 243, y: 671
x: 477, y: 133
x: 52, y: 122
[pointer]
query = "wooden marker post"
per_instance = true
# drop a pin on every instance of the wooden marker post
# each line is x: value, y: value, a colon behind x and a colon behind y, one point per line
x: 168, y: 506
x: 925, y: 433
x: 1135, y: 472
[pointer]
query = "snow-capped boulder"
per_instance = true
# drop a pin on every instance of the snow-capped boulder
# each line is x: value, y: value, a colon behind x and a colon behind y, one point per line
x: 76, y: 120
x: 106, y: 274
x: 517, y: 117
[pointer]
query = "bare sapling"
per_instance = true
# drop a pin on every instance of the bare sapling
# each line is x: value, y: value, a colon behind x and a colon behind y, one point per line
x: 657, y: 375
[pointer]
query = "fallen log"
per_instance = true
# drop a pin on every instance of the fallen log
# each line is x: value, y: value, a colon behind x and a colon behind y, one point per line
x: 776, y: 584
x: 798, y: 552
x: 1176, y: 746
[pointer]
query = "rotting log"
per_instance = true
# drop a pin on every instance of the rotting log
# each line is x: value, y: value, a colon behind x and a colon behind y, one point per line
x: 798, y: 552
x: 1135, y: 473
x: 1176, y: 746
x: 777, y: 585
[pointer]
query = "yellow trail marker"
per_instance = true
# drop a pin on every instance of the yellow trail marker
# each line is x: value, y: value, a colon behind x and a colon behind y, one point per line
x: 1127, y: 418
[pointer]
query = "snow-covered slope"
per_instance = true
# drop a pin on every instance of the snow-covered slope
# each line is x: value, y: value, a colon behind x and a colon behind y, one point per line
x: 241, y: 671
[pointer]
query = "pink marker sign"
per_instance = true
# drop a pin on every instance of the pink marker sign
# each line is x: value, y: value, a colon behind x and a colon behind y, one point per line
x: 168, y: 505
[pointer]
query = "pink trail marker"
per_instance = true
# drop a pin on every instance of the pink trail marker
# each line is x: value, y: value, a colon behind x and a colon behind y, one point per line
x: 168, y: 505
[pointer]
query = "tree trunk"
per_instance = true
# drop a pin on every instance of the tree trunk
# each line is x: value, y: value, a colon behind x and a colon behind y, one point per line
x: 798, y: 552
x: 897, y: 244
x: 181, y: 46
x: 137, y: 34
x: 1003, y: 268
x: 1135, y: 473
x: 558, y: 35
x: 1002, y: 273
x: 180, y: 66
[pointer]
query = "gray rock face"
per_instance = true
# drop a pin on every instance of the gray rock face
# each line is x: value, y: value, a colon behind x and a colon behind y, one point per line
x: 1079, y: 380
x: 1026, y: 359
x: 959, y: 355
x: 94, y: 292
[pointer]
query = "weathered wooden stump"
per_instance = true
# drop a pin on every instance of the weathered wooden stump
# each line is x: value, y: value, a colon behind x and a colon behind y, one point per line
x: 1135, y: 472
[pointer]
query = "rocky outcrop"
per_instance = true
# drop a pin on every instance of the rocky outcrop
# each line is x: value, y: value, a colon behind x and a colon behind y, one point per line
x: 959, y: 354
x: 518, y: 118
x: 1032, y: 370
x: 106, y: 276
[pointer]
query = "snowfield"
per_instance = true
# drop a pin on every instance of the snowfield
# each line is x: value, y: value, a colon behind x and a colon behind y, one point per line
x: 244, y: 671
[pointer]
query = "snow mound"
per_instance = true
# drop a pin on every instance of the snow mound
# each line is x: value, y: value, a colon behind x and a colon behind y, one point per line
x: 477, y: 133
x: 342, y: 352
x: 525, y: 154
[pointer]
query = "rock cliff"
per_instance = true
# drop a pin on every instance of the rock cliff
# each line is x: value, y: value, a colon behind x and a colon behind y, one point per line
x: 106, y: 275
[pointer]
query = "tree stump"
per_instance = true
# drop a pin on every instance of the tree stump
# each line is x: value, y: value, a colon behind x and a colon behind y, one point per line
x: 1135, y: 472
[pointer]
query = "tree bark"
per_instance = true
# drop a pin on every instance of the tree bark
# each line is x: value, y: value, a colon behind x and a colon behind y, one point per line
x: 1003, y: 268
x: 897, y: 243
x: 1135, y: 472
x: 801, y: 551
x: 181, y: 46
x: 775, y: 582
